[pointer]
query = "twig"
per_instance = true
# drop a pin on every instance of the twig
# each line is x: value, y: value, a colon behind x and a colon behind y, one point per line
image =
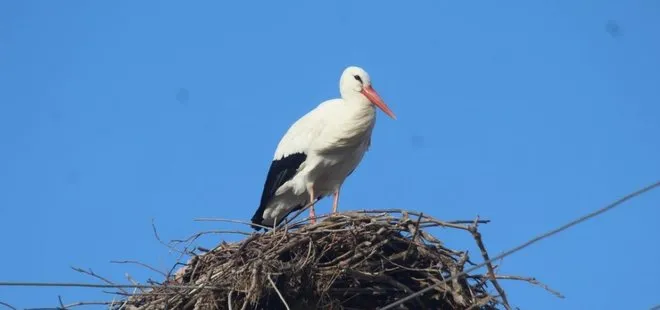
x: 211, y: 219
x: 91, y: 273
x: 138, y: 263
x: 479, y: 221
x: 182, y: 254
x: 229, y: 300
x: 208, y: 232
x: 89, y: 303
x: 153, y: 226
x: 414, y: 237
x: 112, y: 303
x: 453, y: 224
x: 123, y: 305
x: 491, y: 271
x: 530, y: 242
x: 189, y: 241
x: 278, y: 292
x: 130, y: 279
x: 59, y: 298
x: 433, y: 221
x: 8, y: 305
x: 530, y: 280
x: 254, y: 284
x: 75, y: 304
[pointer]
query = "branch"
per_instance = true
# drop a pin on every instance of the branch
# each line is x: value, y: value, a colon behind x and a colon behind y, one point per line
x: 59, y: 298
x: 208, y: 219
x: 91, y: 273
x: 138, y: 263
x: 188, y: 241
x: 453, y: 224
x: 7, y: 305
x: 530, y: 280
x: 491, y: 271
x: 278, y: 292
x: 130, y: 279
x: 153, y: 226
x: 181, y: 253
x: 76, y: 304
x: 229, y: 300
x: 414, y: 237
x: 199, y: 234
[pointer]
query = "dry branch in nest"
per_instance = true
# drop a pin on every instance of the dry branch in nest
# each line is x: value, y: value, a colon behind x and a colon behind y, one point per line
x: 352, y: 260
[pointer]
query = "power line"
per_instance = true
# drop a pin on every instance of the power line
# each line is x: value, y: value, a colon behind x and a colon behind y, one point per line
x: 7, y: 305
x: 394, y: 304
x: 71, y: 284
x: 528, y: 243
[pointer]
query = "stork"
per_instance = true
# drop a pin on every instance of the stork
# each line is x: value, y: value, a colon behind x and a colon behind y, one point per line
x: 320, y: 150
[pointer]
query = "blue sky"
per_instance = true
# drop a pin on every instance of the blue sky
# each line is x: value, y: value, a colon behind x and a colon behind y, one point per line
x: 528, y: 113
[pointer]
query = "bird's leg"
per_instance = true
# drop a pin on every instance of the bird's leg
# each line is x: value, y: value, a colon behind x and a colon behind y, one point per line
x: 335, y: 202
x: 312, y: 201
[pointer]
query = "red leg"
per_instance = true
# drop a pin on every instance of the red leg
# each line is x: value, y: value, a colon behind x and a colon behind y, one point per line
x: 335, y: 203
x: 312, y: 200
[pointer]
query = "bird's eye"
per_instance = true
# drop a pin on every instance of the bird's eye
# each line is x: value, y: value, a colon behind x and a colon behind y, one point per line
x: 357, y: 77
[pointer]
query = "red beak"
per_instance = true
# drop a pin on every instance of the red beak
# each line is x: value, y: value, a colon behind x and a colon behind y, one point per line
x: 373, y: 96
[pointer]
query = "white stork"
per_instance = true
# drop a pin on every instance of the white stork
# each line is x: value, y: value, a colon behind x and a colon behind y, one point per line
x: 320, y: 150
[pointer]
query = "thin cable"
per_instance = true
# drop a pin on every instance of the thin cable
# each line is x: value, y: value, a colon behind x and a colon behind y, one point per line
x: 528, y: 243
x: 7, y: 305
x: 394, y: 304
x: 68, y: 284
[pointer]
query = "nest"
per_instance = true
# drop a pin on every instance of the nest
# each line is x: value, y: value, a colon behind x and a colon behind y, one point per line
x: 352, y: 260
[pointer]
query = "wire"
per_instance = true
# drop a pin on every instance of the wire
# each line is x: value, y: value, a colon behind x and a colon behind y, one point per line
x: 69, y: 284
x: 528, y: 243
x: 396, y: 303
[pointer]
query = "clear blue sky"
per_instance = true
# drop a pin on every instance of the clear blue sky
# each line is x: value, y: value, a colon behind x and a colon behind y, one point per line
x: 528, y: 113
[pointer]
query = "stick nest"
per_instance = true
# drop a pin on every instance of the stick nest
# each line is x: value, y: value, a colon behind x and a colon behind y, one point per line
x: 352, y: 260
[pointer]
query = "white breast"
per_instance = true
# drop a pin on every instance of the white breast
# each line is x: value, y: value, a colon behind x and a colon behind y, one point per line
x: 338, y: 148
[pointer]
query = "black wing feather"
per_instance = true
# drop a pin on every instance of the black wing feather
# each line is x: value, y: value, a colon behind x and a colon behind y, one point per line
x: 281, y: 170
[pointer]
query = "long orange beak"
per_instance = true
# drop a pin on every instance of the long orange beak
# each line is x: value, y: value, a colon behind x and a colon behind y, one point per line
x: 373, y: 96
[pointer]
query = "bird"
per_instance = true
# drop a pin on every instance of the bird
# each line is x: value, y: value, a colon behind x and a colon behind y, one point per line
x: 320, y: 150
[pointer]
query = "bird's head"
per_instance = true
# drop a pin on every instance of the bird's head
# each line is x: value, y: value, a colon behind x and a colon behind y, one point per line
x: 355, y: 84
